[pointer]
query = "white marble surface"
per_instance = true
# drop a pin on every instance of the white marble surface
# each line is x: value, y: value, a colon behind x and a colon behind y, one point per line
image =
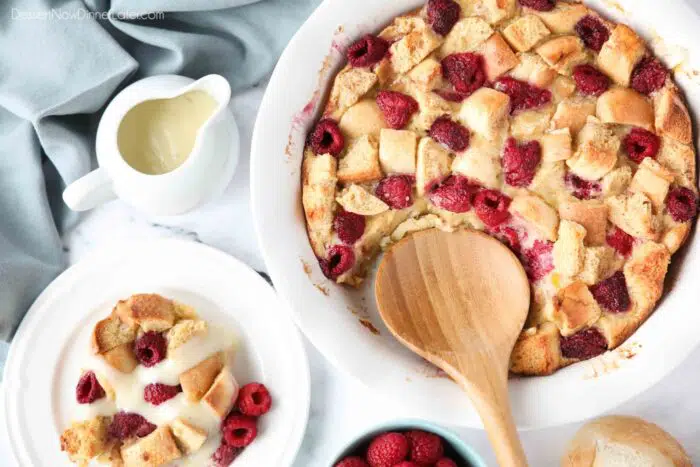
x: 340, y: 406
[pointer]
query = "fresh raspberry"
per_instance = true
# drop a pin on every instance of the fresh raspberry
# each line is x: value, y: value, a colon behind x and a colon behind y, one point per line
x: 350, y: 226
x: 465, y: 71
x: 590, y: 81
x: 520, y: 161
x: 583, y: 345
x: 254, y: 400
x: 442, y: 15
x: 682, y: 204
x: 239, y: 430
x: 150, y: 348
x: 446, y: 131
x: 640, y: 143
x: 407, y: 464
x: 592, y: 32
x: 340, y: 258
x: 352, y: 461
x: 387, y: 450
x: 128, y: 424
x: 492, y: 207
x: 327, y: 138
x: 612, y: 294
x: 396, y: 108
x: 157, y: 393
x: 426, y: 448
x: 539, y: 5
x: 508, y: 235
x: 396, y: 191
x: 445, y: 462
x: 454, y: 194
x: 580, y: 188
x: 523, y: 96
x: 367, y: 51
x: 538, y: 260
x: 225, y: 455
x: 620, y: 240
x: 88, y: 389
x: 648, y: 76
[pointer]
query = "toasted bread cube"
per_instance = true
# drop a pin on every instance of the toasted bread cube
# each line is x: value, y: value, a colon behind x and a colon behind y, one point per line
x: 185, y: 330
x: 527, y: 124
x: 197, y: 380
x: 561, y: 88
x: 653, y: 180
x: 645, y: 272
x: 549, y: 182
x: 85, y: 440
x: 363, y: 118
x: 153, y: 450
x: 569, y: 251
x: 596, y: 264
x: 625, y: 106
x: 591, y: 214
x: 397, y: 151
x: 671, y: 115
x: 431, y: 107
x: 112, y: 332
x: 537, y: 351
x: 574, y: 308
x: 680, y: 158
x: 616, y: 181
x: 427, y: 74
x: 525, y: 32
x: 121, y: 358
x: 486, y: 113
x: 151, y: 312
x: 188, y: 436
x: 556, y: 145
x: 563, y: 17
x: 411, y: 49
x: 494, y: 11
x: 432, y: 165
x: 401, y: 26
x: 361, y: 161
x: 563, y: 53
x: 533, y: 70
x: 634, y: 213
x: 358, y: 200
x: 466, y: 36
x: 620, y: 54
x: 183, y: 311
x: 498, y: 56
x: 349, y: 86
x: 222, y: 393
x: 596, y: 154
x: 572, y: 113
x: 318, y: 197
x: 481, y: 162
x: 535, y: 211
x: 112, y: 455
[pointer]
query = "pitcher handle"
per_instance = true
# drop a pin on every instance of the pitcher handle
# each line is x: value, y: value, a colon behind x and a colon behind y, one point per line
x: 89, y: 191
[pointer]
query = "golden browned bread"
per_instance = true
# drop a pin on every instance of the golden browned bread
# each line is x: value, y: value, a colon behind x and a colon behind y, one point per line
x: 153, y: 450
x: 121, y: 358
x: 188, y: 436
x: 151, y: 312
x: 85, y: 440
x: 197, y: 380
x: 222, y: 394
x: 185, y: 330
x: 112, y: 332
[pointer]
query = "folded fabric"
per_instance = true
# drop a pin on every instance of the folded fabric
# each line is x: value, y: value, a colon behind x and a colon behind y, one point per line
x: 60, y: 62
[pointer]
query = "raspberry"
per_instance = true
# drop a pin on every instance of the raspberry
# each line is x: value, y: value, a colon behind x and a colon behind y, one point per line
x: 580, y: 188
x: 157, y: 393
x: 150, y: 348
x: 509, y: 236
x: 254, y: 400
x: 128, y: 424
x: 592, y: 32
x: 584, y: 344
x: 445, y: 462
x: 523, y: 96
x: 239, y: 430
x: 520, y: 161
x: 539, y: 5
x: 620, y: 240
x: 446, y: 131
x: 590, y: 81
x: 350, y: 226
x: 327, y: 138
x: 396, y: 107
x: 612, y: 294
x: 88, y: 389
x: 442, y: 15
x: 492, y: 207
x: 648, y: 76
x: 682, y: 204
x: 454, y: 194
x: 451, y: 96
x: 387, y: 450
x: 367, y: 51
x: 225, y: 455
x: 538, y: 260
x: 640, y: 143
x: 426, y: 448
x: 340, y: 259
x: 396, y: 191
x: 465, y: 71
x: 352, y: 461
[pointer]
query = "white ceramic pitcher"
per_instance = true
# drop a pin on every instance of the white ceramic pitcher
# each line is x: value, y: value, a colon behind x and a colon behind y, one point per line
x: 208, y: 168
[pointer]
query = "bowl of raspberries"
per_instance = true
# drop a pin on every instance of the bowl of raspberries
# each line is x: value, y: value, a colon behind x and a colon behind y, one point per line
x: 407, y: 443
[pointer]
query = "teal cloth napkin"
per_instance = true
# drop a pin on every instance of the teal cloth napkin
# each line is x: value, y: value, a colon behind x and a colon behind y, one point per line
x: 60, y: 62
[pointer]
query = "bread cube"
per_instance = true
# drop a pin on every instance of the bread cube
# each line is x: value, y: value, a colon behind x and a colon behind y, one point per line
x: 536, y: 212
x: 563, y: 17
x: 498, y: 56
x: 537, y: 351
x: 671, y: 115
x: 397, y: 151
x: 561, y: 88
x: 525, y: 32
x: 222, y: 394
x: 572, y: 113
x: 549, y: 182
x: 645, y: 272
x: 112, y: 332
x: 680, y: 158
x: 574, y: 308
x: 197, y: 380
x: 534, y: 70
x: 361, y: 161
x: 121, y: 358
x: 433, y: 164
x: 349, y: 86
x: 653, y: 180
x: 153, y: 450
x: 185, y: 330
x: 466, y: 36
x: 616, y: 181
x: 620, y: 54
x: 634, y: 213
x: 563, y: 53
x: 481, y: 162
x: 411, y: 49
x: 319, y: 178
x: 527, y: 124
x: 569, y: 251
x: 431, y: 107
x: 625, y: 106
x: 591, y: 214
x: 188, y: 436
x: 363, y: 118
x: 494, y: 11
x: 556, y: 145
x: 597, y: 264
x: 596, y: 153
x: 355, y: 198
x: 85, y: 440
x: 151, y: 312
x: 486, y: 112
x: 427, y: 75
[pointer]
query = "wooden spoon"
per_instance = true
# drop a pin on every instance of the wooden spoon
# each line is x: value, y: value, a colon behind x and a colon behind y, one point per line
x: 460, y: 300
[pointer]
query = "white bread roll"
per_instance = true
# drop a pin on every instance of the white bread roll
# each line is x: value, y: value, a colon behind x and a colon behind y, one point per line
x: 618, y: 441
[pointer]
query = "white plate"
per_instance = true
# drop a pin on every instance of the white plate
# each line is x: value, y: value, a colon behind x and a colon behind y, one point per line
x: 331, y: 321
x: 39, y: 397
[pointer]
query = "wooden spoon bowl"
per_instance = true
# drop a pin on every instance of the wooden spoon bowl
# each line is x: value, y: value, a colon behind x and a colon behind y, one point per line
x: 460, y: 301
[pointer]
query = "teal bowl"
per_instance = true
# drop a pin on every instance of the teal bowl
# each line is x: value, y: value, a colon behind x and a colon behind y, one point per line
x: 455, y: 447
